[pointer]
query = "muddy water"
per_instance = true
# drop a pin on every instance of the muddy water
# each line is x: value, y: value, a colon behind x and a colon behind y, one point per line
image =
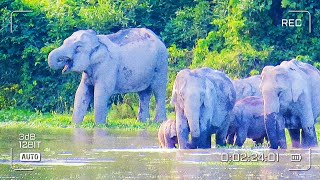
x: 119, y: 154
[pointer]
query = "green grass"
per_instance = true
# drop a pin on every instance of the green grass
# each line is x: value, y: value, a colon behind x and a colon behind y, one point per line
x: 14, y: 117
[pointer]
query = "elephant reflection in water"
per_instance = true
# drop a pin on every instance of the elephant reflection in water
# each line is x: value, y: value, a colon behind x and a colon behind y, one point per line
x: 291, y: 90
x: 203, y: 99
x: 94, y: 138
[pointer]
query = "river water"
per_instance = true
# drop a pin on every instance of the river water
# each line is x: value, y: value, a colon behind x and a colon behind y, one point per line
x: 119, y: 154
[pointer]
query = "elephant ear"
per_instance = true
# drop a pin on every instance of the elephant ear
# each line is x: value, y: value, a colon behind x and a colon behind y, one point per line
x: 266, y: 70
x: 178, y: 91
x: 298, y: 85
x: 90, y: 39
x: 293, y: 80
x: 174, y: 95
x: 296, y: 90
x: 209, y: 95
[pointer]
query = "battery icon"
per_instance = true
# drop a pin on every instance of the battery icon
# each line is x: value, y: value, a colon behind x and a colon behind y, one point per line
x: 296, y: 157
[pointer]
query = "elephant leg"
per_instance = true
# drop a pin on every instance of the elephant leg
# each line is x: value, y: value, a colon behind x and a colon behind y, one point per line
x: 259, y: 141
x: 231, y: 133
x: 166, y: 142
x: 195, y: 143
x: 170, y: 143
x: 222, y: 133
x: 241, y: 137
x: 82, y: 100
x: 205, y: 140
x: 159, y: 89
x: 144, y: 100
x: 295, y: 137
x: 309, y: 138
x: 208, y: 141
x: 271, y: 127
x: 221, y: 138
x: 162, y: 141
x: 230, y: 138
x: 182, y: 129
x: 315, y: 140
x: 101, y: 97
x: 282, y: 139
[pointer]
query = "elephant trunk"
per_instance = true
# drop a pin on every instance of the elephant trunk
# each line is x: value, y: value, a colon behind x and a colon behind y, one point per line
x: 271, y: 128
x: 271, y: 116
x: 58, y: 58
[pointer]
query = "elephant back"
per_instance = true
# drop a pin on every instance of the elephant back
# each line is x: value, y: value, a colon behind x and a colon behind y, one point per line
x: 251, y: 105
x: 127, y: 36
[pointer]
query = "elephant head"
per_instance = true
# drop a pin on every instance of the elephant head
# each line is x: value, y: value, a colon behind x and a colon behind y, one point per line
x: 247, y: 87
x: 286, y: 95
x: 190, y: 87
x: 281, y: 85
x: 193, y: 97
x: 167, y: 134
x: 76, y: 52
x: 274, y: 84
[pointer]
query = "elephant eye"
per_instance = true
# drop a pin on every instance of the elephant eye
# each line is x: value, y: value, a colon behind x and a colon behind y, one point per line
x: 77, y: 49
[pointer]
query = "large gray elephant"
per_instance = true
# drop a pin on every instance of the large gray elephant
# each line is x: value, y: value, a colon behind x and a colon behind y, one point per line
x: 203, y: 99
x: 167, y: 134
x: 291, y: 100
x: 131, y: 60
x: 248, y: 121
x: 247, y: 87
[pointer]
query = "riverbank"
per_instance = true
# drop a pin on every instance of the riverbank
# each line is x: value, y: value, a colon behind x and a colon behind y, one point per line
x: 17, y: 117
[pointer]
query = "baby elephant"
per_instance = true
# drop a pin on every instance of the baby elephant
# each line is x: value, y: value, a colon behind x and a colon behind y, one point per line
x: 248, y: 121
x: 167, y: 134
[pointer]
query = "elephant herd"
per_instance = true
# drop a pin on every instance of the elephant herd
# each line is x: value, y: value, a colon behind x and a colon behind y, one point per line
x: 206, y: 101
x: 260, y: 107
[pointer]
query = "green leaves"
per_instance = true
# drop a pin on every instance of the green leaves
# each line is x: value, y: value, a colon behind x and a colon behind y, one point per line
x: 238, y: 37
x: 248, y: 36
x: 190, y: 24
x: 228, y: 48
x: 102, y: 16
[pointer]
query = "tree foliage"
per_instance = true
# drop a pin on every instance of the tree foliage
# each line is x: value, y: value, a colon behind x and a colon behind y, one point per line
x: 238, y: 37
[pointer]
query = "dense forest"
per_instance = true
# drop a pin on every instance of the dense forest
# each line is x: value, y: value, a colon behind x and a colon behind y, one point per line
x: 237, y: 37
